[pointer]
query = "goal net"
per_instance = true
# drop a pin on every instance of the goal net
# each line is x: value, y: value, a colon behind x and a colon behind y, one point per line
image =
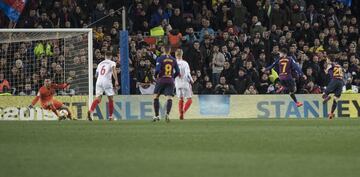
x: 27, y: 56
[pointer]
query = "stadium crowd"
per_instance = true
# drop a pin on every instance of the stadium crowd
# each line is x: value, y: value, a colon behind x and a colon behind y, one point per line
x: 225, y: 42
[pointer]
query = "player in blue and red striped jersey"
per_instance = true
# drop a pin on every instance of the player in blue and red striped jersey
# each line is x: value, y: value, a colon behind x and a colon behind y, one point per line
x: 286, y: 67
x: 335, y: 85
x: 166, y: 70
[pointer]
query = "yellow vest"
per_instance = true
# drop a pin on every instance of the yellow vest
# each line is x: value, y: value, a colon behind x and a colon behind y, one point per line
x: 157, y: 31
x: 39, y: 50
x: 273, y: 76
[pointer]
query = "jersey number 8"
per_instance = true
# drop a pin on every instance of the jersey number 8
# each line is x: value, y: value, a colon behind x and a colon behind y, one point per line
x: 168, y: 69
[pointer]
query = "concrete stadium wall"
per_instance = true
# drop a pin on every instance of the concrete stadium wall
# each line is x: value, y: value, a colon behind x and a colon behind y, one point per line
x: 204, y: 106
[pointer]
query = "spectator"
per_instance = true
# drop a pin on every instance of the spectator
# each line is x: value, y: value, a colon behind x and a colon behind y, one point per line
x: 208, y: 90
x: 194, y: 57
x: 31, y: 20
x: 45, y: 21
x: 27, y: 91
x: 145, y: 78
x: 278, y: 16
x: 190, y: 36
x: 177, y: 21
x: 240, y: 12
x: 312, y: 88
x: 242, y: 81
x: 158, y: 17
x: 264, y: 84
x: 228, y: 72
x: 224, y: 88
x: 206, y: 30
x: 297, y: 16
x: 251, y: 71
x: 251, y: 90
x: 218, y: 60
x: 197, y: 86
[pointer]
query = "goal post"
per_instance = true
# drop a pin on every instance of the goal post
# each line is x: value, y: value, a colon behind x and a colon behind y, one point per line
x: 63, y: 54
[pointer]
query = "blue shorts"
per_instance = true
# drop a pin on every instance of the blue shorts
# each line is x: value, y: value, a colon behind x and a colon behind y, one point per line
x: 289, y: 85
x: 166, y: 89
x: 335, y: 86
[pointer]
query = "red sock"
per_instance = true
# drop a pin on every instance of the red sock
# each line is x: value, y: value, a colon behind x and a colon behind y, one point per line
x: 111, y: 107
x: 94, y: 104
x: 181, y: 106
x: 187, y: 104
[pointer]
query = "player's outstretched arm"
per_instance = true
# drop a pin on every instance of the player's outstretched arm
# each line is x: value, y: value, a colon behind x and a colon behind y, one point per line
x: 114, y: 73
x: 271, y: 66
x: 60, y: 86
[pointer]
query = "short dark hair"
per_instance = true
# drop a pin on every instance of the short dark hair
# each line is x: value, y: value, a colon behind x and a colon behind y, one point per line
x: 284, y: 50
x: 108, y: 54
x: 167, y: 48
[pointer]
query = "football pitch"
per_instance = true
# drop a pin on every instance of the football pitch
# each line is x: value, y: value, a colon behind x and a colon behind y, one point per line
x: 190, y: 148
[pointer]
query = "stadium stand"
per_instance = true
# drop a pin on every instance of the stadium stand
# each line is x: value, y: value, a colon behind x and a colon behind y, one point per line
x: 226, y: 42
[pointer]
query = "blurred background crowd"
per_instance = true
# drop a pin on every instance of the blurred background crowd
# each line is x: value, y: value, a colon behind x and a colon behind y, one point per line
x: 225, y: 42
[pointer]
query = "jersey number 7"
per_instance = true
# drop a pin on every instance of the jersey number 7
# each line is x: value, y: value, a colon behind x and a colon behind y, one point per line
x: 283, y: 66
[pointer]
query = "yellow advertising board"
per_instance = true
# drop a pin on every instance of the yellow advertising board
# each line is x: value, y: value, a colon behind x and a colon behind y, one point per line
x: 235, y: 106
x: 136, y: 107
x: 16, y: 108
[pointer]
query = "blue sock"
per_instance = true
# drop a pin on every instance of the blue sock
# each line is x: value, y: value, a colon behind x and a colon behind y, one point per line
x: 168, y: 106
x: 156, y: 106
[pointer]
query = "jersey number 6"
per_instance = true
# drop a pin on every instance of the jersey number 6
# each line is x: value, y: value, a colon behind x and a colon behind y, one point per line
x: 102, y: 71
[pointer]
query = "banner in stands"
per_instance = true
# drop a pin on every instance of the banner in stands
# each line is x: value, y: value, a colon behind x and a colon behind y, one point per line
x: 16, y: 108
x: 138, y: 107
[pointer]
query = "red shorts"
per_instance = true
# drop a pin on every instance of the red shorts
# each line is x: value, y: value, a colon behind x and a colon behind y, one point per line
x: 53, y: 103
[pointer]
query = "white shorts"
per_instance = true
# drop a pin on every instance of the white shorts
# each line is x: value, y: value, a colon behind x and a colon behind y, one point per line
x: 107, y: 88
x: 184, y: 92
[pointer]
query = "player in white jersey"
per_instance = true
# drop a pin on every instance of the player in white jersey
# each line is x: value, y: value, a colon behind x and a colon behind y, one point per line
x: 183, y: 84
x: 104, y: 72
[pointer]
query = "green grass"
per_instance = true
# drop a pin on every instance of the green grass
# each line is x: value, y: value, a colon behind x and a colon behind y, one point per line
x: 191, y: 148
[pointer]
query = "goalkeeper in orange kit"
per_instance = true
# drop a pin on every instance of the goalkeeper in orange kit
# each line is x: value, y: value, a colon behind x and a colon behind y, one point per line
x: 46, y: 94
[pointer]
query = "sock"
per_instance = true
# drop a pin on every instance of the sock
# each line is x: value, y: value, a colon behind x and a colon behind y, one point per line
x: 111, y: 107
x: 181, y: 106
x: 292, y: 95
x: 168, y: 106
x: 94, y: 104
x: 333, y: 107
x: 156, y: 106
x: 187, y: 104
x: 69, y: 113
